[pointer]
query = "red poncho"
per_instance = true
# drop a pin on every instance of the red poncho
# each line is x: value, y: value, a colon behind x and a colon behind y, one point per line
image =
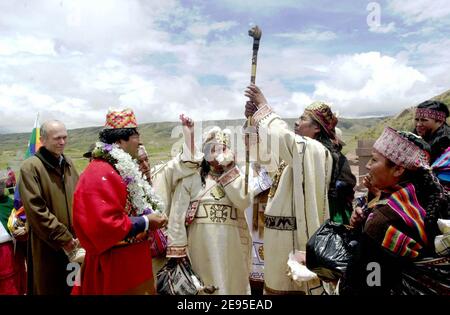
x: 100, y: 223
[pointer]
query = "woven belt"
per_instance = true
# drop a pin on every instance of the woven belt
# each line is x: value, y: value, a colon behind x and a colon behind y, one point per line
x: 280, y: 223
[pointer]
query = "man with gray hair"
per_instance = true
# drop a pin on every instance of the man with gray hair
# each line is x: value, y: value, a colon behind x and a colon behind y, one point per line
x: 46, y: 186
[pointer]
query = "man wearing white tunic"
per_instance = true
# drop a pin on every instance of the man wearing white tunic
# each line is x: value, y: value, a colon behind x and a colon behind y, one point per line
x: 167, y: 176
x: 207, y: 220
x: 298, y: 202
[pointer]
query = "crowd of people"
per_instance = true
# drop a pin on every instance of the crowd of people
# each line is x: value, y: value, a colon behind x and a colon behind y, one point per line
x: 122, y: 226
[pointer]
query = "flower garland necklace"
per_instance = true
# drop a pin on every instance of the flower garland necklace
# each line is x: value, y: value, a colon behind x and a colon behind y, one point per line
x: 140, y: 193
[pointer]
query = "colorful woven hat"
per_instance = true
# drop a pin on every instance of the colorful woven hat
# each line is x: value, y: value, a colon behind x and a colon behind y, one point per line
x: 118, y: 119
x: 400, y: 150
x: 321, y: 112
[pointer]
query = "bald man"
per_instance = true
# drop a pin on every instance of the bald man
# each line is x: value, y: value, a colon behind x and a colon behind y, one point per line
x: 46, y: 186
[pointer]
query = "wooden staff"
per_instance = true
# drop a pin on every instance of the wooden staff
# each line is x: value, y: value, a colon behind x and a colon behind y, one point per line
x: 256, y: 33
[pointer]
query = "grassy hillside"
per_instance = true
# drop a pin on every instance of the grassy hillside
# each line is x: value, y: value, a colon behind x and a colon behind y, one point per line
x: 157, y: 138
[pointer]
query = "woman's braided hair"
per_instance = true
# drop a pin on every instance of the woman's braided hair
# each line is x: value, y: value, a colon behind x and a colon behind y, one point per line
x: 334, y: 148
x: 430, y: 193
x: 204, y: 171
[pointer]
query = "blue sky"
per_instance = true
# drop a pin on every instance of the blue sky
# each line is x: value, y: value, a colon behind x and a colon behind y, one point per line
x: 72, y: 60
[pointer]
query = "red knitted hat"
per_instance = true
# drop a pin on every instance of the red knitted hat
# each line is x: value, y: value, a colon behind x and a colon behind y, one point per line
x: 117, y: 119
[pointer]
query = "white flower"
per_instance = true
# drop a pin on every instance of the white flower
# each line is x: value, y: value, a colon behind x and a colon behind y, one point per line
x: 141, y: 192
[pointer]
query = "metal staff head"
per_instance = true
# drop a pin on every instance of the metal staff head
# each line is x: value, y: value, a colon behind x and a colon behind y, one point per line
x: 255, y: 32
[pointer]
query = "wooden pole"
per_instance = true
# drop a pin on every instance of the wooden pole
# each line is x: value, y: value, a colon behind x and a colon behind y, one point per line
x: 255, y: 33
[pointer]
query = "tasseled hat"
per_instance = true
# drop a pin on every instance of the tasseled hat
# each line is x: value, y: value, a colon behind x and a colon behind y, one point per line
x: 398, y: 149
x: 432, y: 109
x: 217, y: 135
x: 119, y: 119
x: 321, y: 113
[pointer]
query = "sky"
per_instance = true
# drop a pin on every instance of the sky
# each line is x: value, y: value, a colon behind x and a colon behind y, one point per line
x: 73, y: 60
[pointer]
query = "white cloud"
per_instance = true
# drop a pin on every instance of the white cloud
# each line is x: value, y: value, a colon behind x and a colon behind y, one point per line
x: 86, y: 26
x: 203, y: 29
x: 370, y: 83
x: 433, y: 58
x: 21, y: 118
x: 260, y: 6
x: 27, y: 45
x: 383, y: 29
x: 73, y: 60
x: 361, y: 84
x: 302, y: 100
x: 423, y: 31
x: 421, y: 10
x: 310, y: 35
x: 358, y: 85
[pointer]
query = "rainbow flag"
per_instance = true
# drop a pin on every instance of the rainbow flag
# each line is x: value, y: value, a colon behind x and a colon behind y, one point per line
x: 34, y: 143
x: 33, y: 146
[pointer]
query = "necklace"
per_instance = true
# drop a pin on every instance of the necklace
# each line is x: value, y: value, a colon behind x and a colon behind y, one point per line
x: 141, y: 195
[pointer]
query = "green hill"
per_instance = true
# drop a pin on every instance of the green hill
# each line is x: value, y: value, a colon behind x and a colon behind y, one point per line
x: 157, y: 138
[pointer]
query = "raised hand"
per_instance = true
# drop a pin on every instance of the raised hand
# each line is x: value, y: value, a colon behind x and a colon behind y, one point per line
x: 357, y: 217
x: 255, y: 95
x: 187, y: 123
x: 368, y: 184
x: 188, y: 132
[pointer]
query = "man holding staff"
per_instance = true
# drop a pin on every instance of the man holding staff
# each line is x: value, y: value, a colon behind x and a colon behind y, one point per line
x: 298, y: 201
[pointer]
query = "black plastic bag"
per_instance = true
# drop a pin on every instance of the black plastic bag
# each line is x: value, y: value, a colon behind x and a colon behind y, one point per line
x: 178, y: 278
x: 330, y: 249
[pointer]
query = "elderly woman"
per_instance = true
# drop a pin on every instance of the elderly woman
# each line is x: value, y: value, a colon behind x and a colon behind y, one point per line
x: 144, y: 163
x: 207, y: 219
x: 401, y: 224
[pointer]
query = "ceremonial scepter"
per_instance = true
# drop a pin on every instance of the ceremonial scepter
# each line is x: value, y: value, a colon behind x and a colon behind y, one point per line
x: 254, y: 32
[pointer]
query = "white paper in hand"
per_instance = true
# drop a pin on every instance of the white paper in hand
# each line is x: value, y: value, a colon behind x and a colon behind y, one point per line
x: 296, y: 268
x: 444, y: 226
